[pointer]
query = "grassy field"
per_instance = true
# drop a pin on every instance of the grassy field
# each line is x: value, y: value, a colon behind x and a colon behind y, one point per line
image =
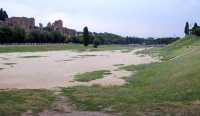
x: 15, y: 102
x: 89, y: 76
x: 54, y: 47
x: 167, y: 88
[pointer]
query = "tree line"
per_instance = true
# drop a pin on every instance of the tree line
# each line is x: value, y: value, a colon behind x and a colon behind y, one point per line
x: 10, y: 35
x: 17, y: 35
x: 109, y: 38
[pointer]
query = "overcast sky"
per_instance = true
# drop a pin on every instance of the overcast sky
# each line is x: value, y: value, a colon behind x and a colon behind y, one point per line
x: 144, y: 18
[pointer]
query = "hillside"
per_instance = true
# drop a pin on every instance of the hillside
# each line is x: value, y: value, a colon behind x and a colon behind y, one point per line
x: 167, y: 88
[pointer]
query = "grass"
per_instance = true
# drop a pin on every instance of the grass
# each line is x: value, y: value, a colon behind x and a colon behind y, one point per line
x: 9, y: 64
x: 181, y: 47
x: 55, y: 47
x: 167, y: 88
x: 31, y: 56
x: 89, y: 76
x: 118, y: 65
x: 15, y: 102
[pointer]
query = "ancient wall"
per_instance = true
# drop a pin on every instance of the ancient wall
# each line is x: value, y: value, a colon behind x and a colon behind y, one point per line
x: 27, y: 24
x: 58, y: 26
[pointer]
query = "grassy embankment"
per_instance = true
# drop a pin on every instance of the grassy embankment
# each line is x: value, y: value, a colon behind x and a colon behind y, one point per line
x: 55, y: 47
x: 15, y: 102
x: 89, y: 76
x: 170, y: 87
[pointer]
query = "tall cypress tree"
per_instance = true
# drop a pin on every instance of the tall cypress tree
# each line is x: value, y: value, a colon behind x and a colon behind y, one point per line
x: 86, y: 36
x: 187, y: 29
x: 1, y: 14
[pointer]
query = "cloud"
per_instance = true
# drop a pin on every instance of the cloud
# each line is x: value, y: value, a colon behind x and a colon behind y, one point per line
x: 127, y: 17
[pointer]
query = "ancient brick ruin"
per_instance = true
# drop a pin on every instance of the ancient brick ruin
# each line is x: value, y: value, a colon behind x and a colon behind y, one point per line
x: 28, y: 24
x: 58, y: 26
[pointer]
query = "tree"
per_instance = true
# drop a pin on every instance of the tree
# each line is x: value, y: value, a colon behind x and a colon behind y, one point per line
x: 6, y: 35
x: 86, y: 36
x: 3, y: 15
x: 96, y: 43
x: 195, y: 29
x: 19, y: 35
x: 195, y: 25
x: 187, y: 29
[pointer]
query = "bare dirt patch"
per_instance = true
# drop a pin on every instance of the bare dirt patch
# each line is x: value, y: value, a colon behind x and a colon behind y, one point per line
x: 47, y: 72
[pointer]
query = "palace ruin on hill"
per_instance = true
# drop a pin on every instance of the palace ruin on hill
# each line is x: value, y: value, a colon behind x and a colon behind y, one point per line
x: 28, y: 24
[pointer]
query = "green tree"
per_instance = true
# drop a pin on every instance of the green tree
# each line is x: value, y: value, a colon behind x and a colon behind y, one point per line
x: 3, y: 15
x: 6, y: 35
x: 19, y: 35
x: 195, y: 29
x: 96, y: 43
x: 195, y: 25
x: 187, y: 29
x: 86, y: 36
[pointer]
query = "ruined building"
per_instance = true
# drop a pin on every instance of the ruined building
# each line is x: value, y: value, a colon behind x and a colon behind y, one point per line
x: 58, y: 26
x: 27, y: 24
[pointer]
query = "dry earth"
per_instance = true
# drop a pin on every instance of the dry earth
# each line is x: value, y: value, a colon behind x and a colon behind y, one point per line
x: 50, y: 70
x: 47, y: 70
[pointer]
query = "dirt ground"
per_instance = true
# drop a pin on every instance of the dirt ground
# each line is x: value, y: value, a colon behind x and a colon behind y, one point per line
x: 51, y: 70
x: 45, y: 70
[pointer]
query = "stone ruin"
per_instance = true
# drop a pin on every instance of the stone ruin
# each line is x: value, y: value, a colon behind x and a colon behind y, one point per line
x: 28, y: 24
x: 58, y: 26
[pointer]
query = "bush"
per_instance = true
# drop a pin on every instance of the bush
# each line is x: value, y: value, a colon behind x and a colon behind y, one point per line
x: 96, y: 43
x: 196, y: 31
x: 12, y: 35
x: 18, y: 35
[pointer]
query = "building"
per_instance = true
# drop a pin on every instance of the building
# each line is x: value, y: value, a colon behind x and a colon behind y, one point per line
x: 27, y: 24
x: 69, y: 32
x: 58, y: 26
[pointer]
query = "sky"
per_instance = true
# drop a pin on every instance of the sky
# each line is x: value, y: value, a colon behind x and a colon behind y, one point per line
x: 142, y: 18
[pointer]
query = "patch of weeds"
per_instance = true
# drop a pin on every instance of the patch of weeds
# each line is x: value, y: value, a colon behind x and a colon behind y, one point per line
x: 89, y: 76
x: 16, y: 102
x: 10, y: 64
x: 68, y: 60
x: 128, y: 68
x: 117, y: 65
x: 126, y: 50
x: 31, y: 56
x: 87, y: 55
